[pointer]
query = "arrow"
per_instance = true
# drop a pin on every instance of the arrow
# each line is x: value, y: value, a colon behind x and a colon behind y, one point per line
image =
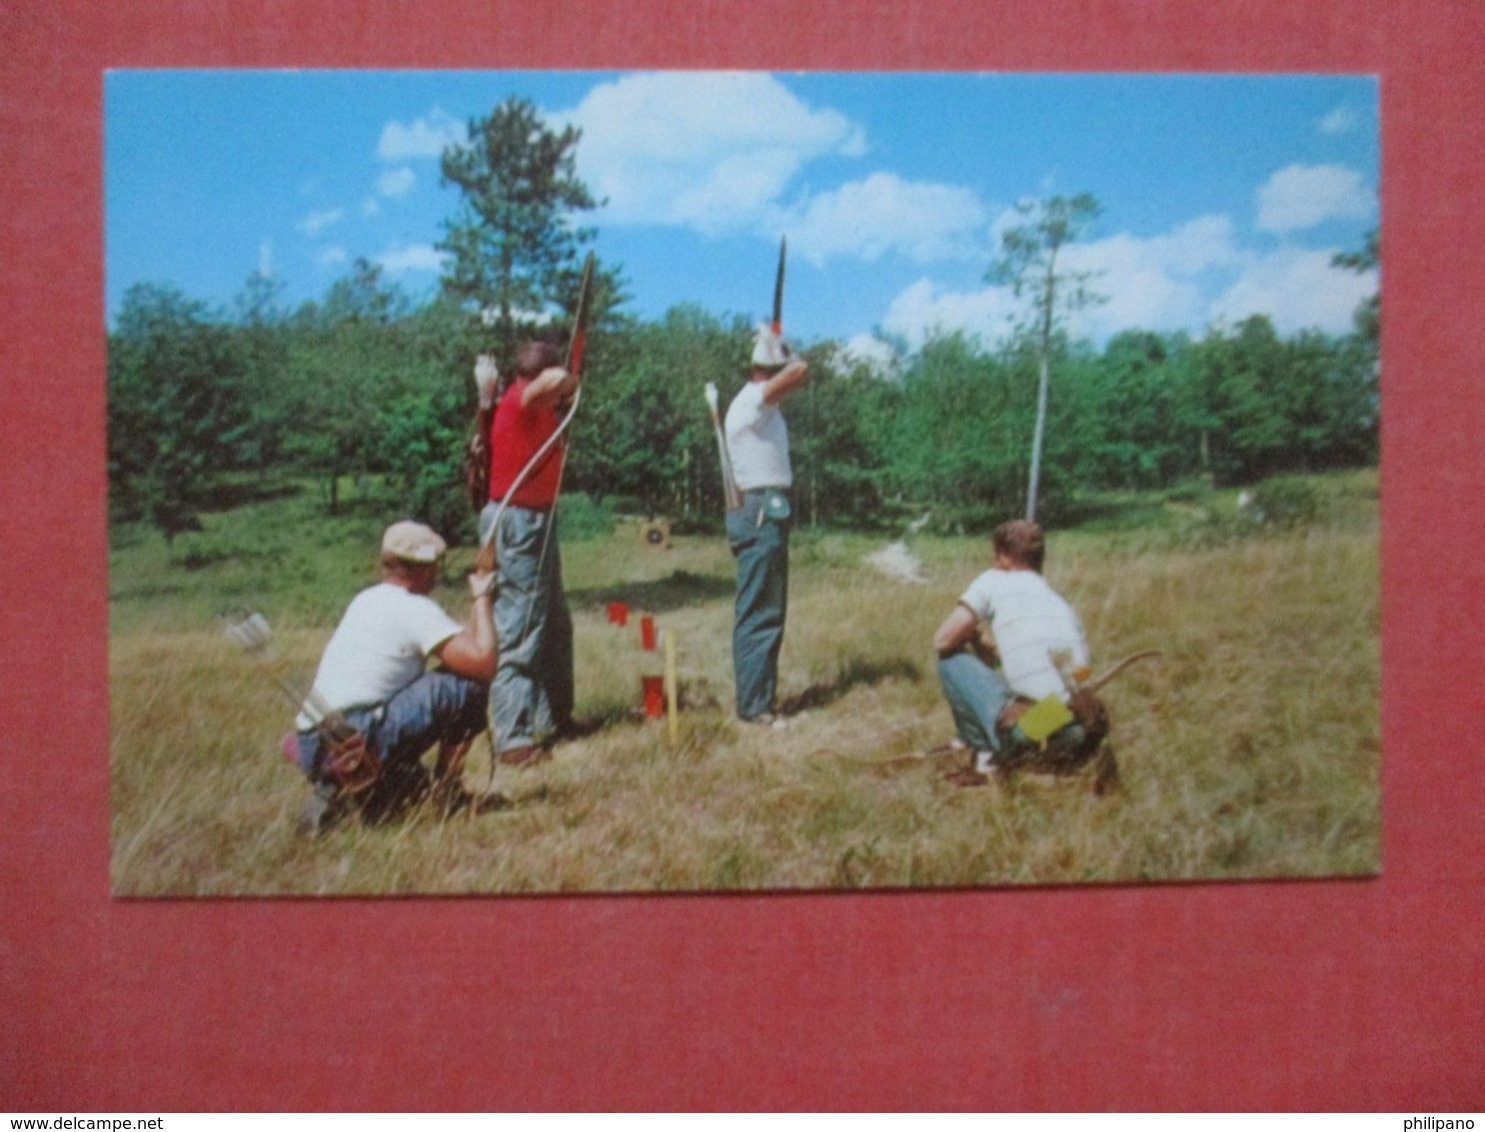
x: 778, y: 287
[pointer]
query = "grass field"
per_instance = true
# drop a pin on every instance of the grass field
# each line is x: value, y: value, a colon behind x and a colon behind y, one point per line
x: 1250, y: 748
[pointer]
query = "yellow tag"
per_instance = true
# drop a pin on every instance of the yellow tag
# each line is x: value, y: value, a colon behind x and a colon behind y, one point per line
x: 1043, y: 718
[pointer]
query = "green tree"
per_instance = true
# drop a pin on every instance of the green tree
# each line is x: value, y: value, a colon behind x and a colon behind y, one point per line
x: 423, y: 436
x: 1367, y: 259
x: 953, y: 435
x: 1354, y: 397
x: 335, y: 379
x: 1334, y: 401
x: 262, y: 342
x: 423, y: 419
x: 512, y: 247
x: 1244, y: 382
x: 838, y: 470
x: 364, y: 297
x: 343, y: 359
x: 176, y: 405
x: 1130, y: 414
x: 1028, y: 263
x: 644, y: 433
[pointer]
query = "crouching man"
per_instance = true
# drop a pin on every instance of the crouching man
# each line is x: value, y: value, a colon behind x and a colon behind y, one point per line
x: 1011, y: 689
x: 375, y: 708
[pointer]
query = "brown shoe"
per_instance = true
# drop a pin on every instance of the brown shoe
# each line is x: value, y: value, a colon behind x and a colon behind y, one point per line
x: 528, y: 755
x: 967, y: 776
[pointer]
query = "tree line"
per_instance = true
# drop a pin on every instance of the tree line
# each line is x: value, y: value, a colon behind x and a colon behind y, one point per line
x: 366, y: 384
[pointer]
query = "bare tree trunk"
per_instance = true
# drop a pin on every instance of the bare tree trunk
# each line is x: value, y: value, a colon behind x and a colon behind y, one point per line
x: 1036, y: 438
x: 1043, y: 381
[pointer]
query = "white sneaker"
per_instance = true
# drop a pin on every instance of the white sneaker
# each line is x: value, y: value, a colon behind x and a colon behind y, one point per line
x: 985, y: 762
x: 767, y: 719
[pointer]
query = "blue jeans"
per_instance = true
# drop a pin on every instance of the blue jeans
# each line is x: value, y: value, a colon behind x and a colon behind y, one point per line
x: 761, y: 546
x: 977, y: 696
x: 436, y: 707
x: 531, y: 697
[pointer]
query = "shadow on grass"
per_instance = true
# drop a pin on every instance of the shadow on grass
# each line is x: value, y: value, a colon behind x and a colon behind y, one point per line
x: 594, y: 724
x: 853, y: 674
x: 462, y: 806
x: 679, y: 589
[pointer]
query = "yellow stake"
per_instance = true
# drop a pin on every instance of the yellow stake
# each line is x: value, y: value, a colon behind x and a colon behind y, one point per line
x: 670, y: 683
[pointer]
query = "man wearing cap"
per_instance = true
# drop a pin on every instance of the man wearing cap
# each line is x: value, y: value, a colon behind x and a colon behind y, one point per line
x: 531, y: 697
x: 374, y: 672
x: 1033, y: 652
x: 758, y: 532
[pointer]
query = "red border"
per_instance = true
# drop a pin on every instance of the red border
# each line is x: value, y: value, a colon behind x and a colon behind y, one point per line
x: 1346, y: 995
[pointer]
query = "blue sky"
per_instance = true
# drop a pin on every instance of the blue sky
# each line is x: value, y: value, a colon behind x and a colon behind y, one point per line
x: 1222, y: 196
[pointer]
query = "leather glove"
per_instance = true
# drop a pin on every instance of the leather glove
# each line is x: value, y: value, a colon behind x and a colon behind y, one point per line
x: 482, y: 583
x: 486, y: 376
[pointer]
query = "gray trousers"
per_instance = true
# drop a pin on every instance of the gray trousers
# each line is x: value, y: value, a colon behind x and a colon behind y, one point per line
x: 761, y: 546
x: 531, y: 697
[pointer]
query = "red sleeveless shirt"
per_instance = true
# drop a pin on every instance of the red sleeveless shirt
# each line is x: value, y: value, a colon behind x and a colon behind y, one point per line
x: 515, y: 437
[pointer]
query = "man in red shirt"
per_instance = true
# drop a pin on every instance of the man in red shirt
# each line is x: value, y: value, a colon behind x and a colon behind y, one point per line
x: 532, y: 694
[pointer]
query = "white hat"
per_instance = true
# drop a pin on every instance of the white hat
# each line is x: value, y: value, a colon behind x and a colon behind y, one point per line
x: 769, y: 350
x: 413, y: 542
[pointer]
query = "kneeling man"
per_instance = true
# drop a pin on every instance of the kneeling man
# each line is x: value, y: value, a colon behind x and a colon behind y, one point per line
x: 375, y: 708
x: 1032, y: 654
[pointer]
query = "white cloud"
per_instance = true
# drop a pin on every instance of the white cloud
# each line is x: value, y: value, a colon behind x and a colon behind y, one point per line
x: 1341, y: 120
x: 425, y: 137
x: 396, y: 182
x: 317, y: 222
x: 1154, y: 283
x: 868, y: 350
x: 923, y: 309
x: 867, y: 219
x: 411, y: 258
x: 371, y: 207
x: 718, y: 152
x: 1302, y: 196
x: 332, y: 256
x: 709, y: 150
x: 1298, y: 290
x: 1186, y: 279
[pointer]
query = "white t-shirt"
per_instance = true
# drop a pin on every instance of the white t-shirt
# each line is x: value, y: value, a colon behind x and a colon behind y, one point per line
x: 1030, y: 620
x: 381, y: 646
x: 757, y: 440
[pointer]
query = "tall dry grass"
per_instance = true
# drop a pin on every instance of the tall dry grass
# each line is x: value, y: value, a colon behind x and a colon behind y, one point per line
x: 1250, y: 749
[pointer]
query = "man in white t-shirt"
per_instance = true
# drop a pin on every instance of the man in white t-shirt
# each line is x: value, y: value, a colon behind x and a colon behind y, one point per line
x: 1035, y: 650
x: 373, y: 675
x: 758, y: 531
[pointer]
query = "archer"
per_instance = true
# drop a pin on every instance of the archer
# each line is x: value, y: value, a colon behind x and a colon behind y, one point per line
x: 758, y: 531
x: 531, y: 698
